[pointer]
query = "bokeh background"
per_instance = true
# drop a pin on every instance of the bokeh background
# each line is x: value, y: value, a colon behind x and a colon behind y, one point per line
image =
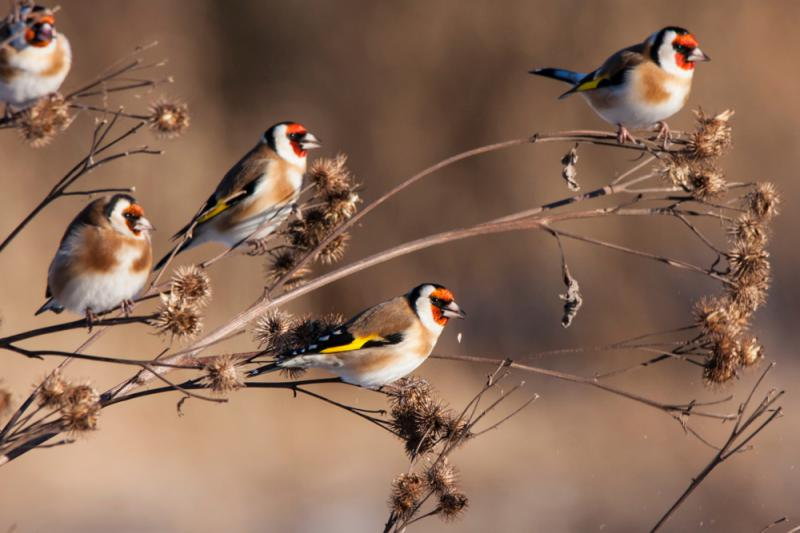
x: 398, y: 86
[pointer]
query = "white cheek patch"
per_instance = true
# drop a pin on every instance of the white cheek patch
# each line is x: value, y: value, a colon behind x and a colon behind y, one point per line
x: 425, y: 312
x: 285, y: 149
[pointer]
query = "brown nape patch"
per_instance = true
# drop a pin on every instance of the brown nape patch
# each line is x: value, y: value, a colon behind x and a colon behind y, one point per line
x: 57, y: 61
x: 652, y: 84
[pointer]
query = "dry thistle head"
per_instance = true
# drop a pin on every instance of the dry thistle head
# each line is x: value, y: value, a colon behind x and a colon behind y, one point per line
x: 407, y: 489
x: 452, y: 504
x: 762, y: 202
x: 750, y: 229
x: 750, y: 351
x: 747, y: 297
x: 191, y: 285
x: 80, y: 408
x: 417, y: 416
x: 749, y: 263
x: 698, y: 177
x: 222, y: 374
x: 307, y: 330
x: 177, y: 317
x: 271, y: 327
x: 330, y: 176
x: 280, y: 263
x: 441, y: 476
x: 41, y: 122
x: 717, y: 318
x: 712, y: 137
x: 718, y: 371
x: 168, y: 118
x: 334, y: 251
x: 707, y: 182
x: 52, y: 389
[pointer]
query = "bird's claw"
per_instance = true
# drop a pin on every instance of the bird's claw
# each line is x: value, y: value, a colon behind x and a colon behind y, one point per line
x: 624, y: 135
x: 663, y: 132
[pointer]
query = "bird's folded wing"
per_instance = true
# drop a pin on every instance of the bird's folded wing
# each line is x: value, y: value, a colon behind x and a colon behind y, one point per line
x: 386, y: 323
x: 612, y: 71
x: 238, y: 184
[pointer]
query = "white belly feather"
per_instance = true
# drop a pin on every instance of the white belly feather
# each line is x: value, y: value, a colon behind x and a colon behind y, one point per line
x: 102, y: 291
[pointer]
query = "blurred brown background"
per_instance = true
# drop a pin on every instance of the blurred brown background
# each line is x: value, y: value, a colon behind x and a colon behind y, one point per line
x: 398, y: 86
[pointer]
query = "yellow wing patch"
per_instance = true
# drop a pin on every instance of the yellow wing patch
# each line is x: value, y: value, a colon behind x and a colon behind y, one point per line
x: 356, y: 344
x: 589, y: 85
x: 216, y: 210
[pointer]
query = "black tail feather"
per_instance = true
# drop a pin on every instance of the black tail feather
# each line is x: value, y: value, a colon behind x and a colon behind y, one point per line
x: 271, y: 367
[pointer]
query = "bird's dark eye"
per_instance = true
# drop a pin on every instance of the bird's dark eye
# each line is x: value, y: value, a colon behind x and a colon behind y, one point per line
x: 439, y: 302
x: 296, y: 137
x: 683, y: 49
x: 129, y: 216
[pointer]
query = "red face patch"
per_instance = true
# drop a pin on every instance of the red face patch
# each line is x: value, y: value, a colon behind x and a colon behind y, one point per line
x: 686, y: 40
x: 296, y: 131
x: 443, y: 294
x: 446, y: 297
x: 32, y: 33
x: 684, y: 44
x: 132, y: 214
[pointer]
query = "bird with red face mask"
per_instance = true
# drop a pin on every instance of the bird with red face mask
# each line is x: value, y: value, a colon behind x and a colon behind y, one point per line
x: 34, y: 57
x: 256, y: 194
x: 381, y: 344
x: 103, y: 260
x: 639, y: 86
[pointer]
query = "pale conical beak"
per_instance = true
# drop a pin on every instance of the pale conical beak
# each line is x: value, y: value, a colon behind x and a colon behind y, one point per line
x: 698, y: 55
x: 452, y: 310
x: 142, y: 224
x: 310, y: 142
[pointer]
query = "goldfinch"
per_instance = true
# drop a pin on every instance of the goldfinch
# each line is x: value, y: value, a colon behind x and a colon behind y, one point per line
x: 256, y: 194
x: 641, y: 85
x: 381, y: 344
x: 34, y: 59
x: 104, y: 258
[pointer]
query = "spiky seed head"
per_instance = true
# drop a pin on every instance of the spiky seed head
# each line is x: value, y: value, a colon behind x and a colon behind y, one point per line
x: 762, y: 202
x: 677, y: 169
x: 452, y: 504
x: 749, y: 263
x: 717, y: 317
x: 52, y: 389
x: 41, y: 122
x: 407, y: 489
x: 330, y: 175
x: 168, y: 118
x: 280, y: 263
x: 707, y: 183
x: 178, y: 318
x: 441, y: 476
x: 750, y: 229
x: 222, y: 374
x: 750, y: 350
x: 191, y: 285
x: 712, y: 137
x: 747, y: 297
x: 270, y: 327
x: 80, y: 408
x: 335, y: 249
x: 719, y: 370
